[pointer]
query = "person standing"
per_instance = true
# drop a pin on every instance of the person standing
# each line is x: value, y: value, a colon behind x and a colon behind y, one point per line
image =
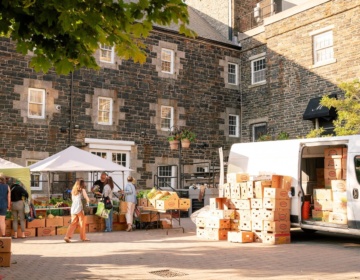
x: 18, y: 193
x: 5, y: 203
x: 108, y: 191
x: 77, y: 212
x: 98, y: 187
x: 131, y: 200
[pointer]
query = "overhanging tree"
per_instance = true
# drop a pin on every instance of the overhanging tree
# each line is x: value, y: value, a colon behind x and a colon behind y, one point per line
x: 64, y: 34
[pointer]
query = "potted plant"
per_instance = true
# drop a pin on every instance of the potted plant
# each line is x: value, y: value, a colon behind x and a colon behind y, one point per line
x: 173, y: 139
x: 187, y: 136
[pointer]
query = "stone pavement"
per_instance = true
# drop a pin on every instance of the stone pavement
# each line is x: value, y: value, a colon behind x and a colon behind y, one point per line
x: 153, y: 254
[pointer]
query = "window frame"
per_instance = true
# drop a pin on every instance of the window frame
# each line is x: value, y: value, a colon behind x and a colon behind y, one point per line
x: 253, y: 72
x: 235, y: 75
x: 171, y: 61
x: 316, y: 49
x: 106, y: 48
x: 171, y: 179
x: 171, y: 124
x: 33, y: 176
x: 43, y: 103
x: 237, y: 130
x: 257, y: 125
x: 110, y: 111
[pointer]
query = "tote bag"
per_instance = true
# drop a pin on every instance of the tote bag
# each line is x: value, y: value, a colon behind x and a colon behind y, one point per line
x: 101, y: 211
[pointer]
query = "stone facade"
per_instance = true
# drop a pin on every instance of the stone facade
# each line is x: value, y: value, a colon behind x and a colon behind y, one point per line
x: 196, y: 91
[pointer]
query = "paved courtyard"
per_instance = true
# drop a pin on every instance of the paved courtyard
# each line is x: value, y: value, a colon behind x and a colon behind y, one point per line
x: 154, y: 254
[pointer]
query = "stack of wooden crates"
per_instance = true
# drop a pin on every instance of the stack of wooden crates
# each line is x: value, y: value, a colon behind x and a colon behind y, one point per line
x: 330, y: 196
x: 5, y: 251
x: 249, y: 209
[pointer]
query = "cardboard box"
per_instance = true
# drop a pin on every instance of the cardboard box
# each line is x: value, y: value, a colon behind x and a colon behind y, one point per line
x: 54, y: 222
x: 250, y: 190
x: 91, y: 219
x: 8, y: 223
x: 5, y: 244
x: 323, y: 205
x: 217, y: 223
x: 338, y: 185
x: 66, y: 220
x: 95, y: 227
x: 165, y: 225
x: 245, y: 215
x: 274, y: 203
x: 244, y: 190
x: 170, y: 201
x: 319, y: 194
x: 276, y: 215
x: 142, y: 202
x: 77, y: 230
x: 122, y: 218
x: 235, y: 191
x: 144, y: 217
x: 201, y: 233
x: 276, y: 193
x: 123, y: 207
x: 332, y: 174
x: 339, y: 196
x: 256, y: 214
x: 320, y: 215
x: 235, y: 225
x: 340, y: 207
x: 223, y: 214
x: 276, y: 238
x: 234, y: 178
x: 344, y: 152
x: 216, y: 234
x: 319, y: 173
x: 184, y: 203
x: 29, y: 232
x: 61, y: 230
x: 243, y: 204
x: 115, y: 218
x: 277, y: 226
x: 46, y: 231
x: 217, y: 203
x: 245, y: 225
x: 256, y: 203
x: 119, y: 226
x: 240, y: 236
x: 338, y: 218
x: 200, y: 222
x: 36, y: 223
x: 259, y: 188
x: 334, y: 152
x: 258, y: 236
x: 5, y: 259
x: 281, y: 182
x: 257, y: 225
x: 333, y: 163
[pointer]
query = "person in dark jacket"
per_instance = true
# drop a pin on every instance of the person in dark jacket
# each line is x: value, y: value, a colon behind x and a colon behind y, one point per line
x: 18, y: 195
x: 4, y: 203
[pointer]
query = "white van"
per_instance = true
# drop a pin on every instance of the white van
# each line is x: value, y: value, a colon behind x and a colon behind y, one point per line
x: 305, y: 160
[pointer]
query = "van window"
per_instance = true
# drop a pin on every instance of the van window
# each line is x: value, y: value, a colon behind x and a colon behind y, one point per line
x: 357, y: 168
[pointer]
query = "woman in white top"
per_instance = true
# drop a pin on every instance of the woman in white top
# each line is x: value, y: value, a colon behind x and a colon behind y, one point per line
x: 108, y: 191
x: 77, y: 212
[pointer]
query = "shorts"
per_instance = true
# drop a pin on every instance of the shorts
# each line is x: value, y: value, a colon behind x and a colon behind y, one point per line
x: 3, y: 211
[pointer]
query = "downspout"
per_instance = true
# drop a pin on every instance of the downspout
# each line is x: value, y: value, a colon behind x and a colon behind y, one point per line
x: 71, y: 107
x: 230, y: 20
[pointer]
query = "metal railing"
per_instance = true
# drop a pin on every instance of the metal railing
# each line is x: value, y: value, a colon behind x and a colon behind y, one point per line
x: 256, y: 17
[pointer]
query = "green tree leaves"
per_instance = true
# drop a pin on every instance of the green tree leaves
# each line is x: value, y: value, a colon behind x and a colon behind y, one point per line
x: 65, y: 34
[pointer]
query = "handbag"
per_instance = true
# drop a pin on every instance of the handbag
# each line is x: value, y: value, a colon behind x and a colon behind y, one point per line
x: 107, y: 202
x: 101, y: 211
x: 26, y: 206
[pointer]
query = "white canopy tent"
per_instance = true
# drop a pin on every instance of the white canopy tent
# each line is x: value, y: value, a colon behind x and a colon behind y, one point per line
x: 74, y: 159
x: 18, y: 172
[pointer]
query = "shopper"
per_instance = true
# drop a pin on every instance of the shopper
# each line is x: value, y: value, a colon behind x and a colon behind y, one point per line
x: 108, y: 191
x: 77, y: 212
x: 131, y: 200
x: 98, y: 187
x: 5, y: 203
x: 18, y: 194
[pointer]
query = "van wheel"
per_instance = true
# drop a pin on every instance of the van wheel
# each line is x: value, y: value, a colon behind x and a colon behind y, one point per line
x: 307, y: 230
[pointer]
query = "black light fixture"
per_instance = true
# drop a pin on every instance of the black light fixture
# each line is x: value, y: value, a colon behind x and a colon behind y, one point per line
x: 63, y: 129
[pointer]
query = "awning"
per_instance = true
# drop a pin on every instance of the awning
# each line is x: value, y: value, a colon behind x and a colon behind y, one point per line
x: 315, y: 110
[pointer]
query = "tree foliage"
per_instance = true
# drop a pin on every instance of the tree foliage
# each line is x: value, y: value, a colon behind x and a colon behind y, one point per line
x: 64, y: 34
x: 348, y: 110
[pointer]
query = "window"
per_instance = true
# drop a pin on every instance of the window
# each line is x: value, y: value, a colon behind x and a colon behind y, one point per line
x: 106, y: 53
x: 323, y: 47
x: 258, y: 130
x: 36, y: 179
x: 166, y: 176
x: 167, y: 118
x: 232, y: 74
x: 357, y: 168
x: 258, y: 70
x: 233, y: 125
x: 119, y: 158
x: 167, y: 61
x: 105, y: 111
x: 36, y: 103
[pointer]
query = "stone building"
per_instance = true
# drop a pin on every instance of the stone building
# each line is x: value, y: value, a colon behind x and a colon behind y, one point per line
x: 125, y: 111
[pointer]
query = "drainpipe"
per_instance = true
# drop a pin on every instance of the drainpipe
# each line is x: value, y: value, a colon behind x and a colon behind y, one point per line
x: 71, y: 107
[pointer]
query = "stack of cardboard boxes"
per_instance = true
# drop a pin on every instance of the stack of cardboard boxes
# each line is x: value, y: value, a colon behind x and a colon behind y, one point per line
x: 5, y: 251
x: 249, y: 209
x: 330, y: 198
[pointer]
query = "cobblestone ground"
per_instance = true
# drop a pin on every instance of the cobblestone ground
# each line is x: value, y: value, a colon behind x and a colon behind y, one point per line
x: 158, y: 254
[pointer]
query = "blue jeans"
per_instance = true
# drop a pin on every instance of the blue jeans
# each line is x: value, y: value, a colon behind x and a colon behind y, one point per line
x: 109, y: 221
